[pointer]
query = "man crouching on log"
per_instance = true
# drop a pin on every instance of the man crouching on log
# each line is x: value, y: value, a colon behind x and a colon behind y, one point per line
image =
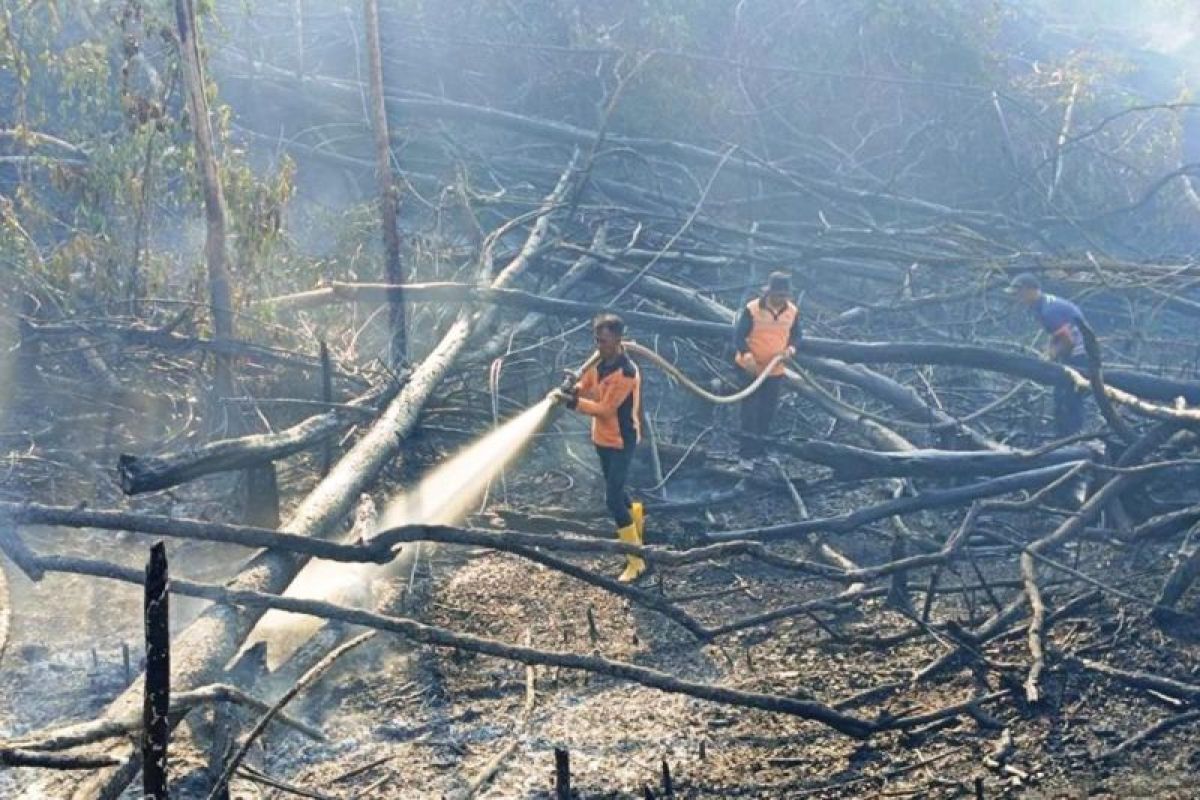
x: 766, y: 327
x: 610, y: 392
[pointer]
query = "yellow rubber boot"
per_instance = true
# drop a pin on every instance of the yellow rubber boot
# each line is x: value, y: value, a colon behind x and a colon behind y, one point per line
x: 638, y: 512
x: 634, y: 566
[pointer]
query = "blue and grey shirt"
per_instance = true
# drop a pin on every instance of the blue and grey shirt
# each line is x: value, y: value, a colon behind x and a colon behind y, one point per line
x: 1061, y: 320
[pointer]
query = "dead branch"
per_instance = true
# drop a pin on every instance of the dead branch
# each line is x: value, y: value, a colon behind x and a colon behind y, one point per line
x: 854, y: 463
x: 306, y: 680
x: 1142, y: 680
x: 933, y: 498
x: 1037, y: 624
x: 246, y: 536
x: 1155, y: 730
x: 1099, y: 391
x: 85, y: 733
x: 63, y: 761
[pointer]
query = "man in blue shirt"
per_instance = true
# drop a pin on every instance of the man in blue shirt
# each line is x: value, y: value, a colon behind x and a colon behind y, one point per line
x: 1061, y: 319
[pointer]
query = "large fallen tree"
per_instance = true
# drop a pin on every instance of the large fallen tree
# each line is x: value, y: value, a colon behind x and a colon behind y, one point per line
x: 209, y: 642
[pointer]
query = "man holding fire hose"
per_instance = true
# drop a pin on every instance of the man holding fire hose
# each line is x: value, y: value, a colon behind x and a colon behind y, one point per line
x: 610, y: 392
x: 768, y: 325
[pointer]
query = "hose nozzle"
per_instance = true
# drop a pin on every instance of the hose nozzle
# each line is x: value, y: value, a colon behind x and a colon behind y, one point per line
x: 566, y: 390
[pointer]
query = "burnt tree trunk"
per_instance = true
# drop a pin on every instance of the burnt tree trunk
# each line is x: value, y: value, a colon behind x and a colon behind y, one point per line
x: 220, y: 285
x: 156, y: 728
x: 562, y: 774
x: 393, y: 269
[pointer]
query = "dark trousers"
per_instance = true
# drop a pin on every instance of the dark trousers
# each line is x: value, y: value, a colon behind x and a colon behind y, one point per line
x: 757, y: 412
x: 614, y: 463
x: 1068, y: 401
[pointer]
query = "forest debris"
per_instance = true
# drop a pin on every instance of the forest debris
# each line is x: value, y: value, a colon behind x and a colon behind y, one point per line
x: 519, y: 729
x: 1001, y: 752
x: 307, y: 679
x: 442, y: 637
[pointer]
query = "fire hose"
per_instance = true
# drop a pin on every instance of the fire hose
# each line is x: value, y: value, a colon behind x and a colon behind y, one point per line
x: 687, y: 383
x: 695, y: 388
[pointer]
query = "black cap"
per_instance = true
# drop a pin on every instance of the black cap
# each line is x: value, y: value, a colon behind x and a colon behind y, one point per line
x: 778, y: 282
x: 1026, y: 280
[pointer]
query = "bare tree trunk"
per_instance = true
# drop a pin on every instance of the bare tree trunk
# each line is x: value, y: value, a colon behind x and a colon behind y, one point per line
x: 215, y: 250
x: 156, y: 727
x: 388, y: 191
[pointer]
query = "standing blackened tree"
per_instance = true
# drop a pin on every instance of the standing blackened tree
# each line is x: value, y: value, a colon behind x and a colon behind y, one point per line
x: 216, y: 252
x: 388, y: 193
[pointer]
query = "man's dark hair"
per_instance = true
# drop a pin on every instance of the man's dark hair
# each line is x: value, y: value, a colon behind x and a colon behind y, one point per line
x: 1026, y: 280
x: 778, y: 281
x: 607, y: 321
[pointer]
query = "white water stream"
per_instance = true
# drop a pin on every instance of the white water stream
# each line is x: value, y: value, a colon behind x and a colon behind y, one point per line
x: 443, y: 497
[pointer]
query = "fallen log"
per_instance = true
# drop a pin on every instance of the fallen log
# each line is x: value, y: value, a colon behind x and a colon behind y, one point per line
x: 856, y: 463
x: 318, y: 581
x: 139, y: 474
x: 1149, y: 387
x: 933, y: 498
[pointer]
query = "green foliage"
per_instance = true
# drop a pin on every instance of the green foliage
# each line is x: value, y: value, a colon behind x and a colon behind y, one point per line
x: 257, y: 207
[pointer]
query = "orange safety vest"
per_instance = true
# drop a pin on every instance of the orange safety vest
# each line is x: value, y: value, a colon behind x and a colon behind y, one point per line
x: 611, y: 394
x: 769, y: 331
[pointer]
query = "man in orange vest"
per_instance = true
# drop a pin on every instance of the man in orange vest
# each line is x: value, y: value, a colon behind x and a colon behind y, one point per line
x: 610, y: 392
x: 767, y: 326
